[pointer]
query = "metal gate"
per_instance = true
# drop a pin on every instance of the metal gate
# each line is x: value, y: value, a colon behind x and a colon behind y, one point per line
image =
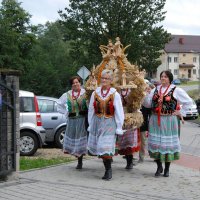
x: 8, y: 146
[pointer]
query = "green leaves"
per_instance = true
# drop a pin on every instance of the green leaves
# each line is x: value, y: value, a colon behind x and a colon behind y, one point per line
x: 136, y: 22
x: 16, y: 38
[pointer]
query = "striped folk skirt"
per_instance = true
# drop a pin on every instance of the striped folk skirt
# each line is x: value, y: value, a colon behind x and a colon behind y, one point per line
x: 163, y: 140
x: 102, y: 137
x: 75, y: 139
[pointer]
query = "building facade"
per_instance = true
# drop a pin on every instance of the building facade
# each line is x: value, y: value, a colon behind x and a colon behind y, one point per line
x: 182, y: 57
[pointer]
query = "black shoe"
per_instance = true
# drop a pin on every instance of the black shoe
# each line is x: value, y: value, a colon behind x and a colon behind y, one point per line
x: 108, y: 172
x: 129, y: 159
x: 166, y: 171
x: 129, y: 166
x: 108, y: 175
x: 159, y: 168
x: 159, y: 171
x: 80, y: 163
x: 79, y: 166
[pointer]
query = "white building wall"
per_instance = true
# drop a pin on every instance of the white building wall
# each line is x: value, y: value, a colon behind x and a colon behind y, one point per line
x: 174, y: 66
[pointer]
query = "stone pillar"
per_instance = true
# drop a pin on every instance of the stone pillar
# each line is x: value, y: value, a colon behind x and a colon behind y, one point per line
x: 9, y: 124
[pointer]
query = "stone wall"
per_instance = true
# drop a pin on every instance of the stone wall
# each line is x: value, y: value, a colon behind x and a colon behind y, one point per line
x: 9, y: 124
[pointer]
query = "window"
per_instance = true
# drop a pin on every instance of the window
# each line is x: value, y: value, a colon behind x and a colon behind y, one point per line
x: 194, y: 71
x: 175, y: 59
x: 176, y: 72
x: 194, y: 59
x: 184, y: 55
x: 169, y: 59
x: 27, y: 104
x: 45, y: 106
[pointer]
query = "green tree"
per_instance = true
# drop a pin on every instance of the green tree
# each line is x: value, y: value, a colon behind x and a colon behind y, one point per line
x: 16, y: 37
x: 136, y: 22
x: 50, y: 64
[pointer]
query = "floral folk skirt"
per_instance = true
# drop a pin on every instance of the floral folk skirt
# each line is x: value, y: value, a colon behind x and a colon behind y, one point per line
x: 163, y: 140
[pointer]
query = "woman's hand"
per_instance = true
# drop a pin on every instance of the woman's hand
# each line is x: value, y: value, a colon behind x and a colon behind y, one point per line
x: 177, y: 113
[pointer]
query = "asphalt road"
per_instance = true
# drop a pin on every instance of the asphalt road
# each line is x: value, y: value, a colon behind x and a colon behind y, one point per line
x: 189, y: 87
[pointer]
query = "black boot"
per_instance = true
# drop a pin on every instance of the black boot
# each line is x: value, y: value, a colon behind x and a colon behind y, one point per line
x: 108, y: 173
x: 166, y: 171
x: 80, y: 162
x: 159, y: 168
x: 129, y: 159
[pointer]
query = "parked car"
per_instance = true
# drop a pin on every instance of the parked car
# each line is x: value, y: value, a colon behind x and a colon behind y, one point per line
x: 53, y: 121
x: 192, y: 112
x: 32, y: 134
x: 155, y: 82
x: 184, y: 80
x: 176, y: 82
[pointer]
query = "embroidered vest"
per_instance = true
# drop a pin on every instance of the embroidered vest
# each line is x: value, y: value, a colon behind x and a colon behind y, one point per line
x: 104, y: 107
x: 169, y: 103
x: 76, y: 107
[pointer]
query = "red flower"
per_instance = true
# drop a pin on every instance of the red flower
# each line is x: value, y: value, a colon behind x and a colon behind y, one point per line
x: 168, y: 98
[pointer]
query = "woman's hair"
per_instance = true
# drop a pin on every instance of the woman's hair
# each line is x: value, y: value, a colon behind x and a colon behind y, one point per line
x: 71, y: 80
x: 168, y: 74
x: 109, y: 72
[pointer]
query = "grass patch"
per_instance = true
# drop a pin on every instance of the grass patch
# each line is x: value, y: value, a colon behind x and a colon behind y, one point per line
x: 194, y: 94
x: 191, y: 83
x: 27, y: 163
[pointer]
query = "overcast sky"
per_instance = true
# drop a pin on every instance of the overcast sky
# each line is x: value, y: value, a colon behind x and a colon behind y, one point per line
x: 182, y: 16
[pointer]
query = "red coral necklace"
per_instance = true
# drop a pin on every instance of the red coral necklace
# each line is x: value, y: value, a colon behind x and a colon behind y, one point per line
x: 104, y: 95
x: 162, y: 94
x: 75, y: 96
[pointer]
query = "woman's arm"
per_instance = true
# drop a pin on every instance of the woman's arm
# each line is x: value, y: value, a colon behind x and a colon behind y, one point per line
x: 62, y: 105
x: 91, y: 110
x: 119, y: 113
x: 183, y: 99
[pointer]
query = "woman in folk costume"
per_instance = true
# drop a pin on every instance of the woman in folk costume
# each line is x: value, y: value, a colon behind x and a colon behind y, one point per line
x: 73, y: 105
x: 163, y: 140
x: 128, y: 143
x: 106, y: 118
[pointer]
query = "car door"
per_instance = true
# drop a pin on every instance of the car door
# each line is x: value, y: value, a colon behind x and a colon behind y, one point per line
x: 51, y: 119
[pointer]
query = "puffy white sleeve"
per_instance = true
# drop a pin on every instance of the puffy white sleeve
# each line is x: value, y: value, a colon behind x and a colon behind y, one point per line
x: 119, y: 113
x: 148, y: 99
x: 91, y: 110
x: 62, y: 105
x: 184, y: 100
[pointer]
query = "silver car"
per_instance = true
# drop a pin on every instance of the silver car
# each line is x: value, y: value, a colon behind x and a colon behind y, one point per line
x: 192, y: 112
x: 32, y: 134
x: 53, y: 121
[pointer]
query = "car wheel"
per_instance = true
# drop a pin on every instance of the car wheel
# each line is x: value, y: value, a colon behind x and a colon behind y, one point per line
x: 28, y: 144
x: 59, y: 137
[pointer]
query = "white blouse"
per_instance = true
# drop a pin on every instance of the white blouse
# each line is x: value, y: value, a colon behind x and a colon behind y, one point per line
x: 179, y: 94
x: 119, y: 112
x: 62, y: 102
